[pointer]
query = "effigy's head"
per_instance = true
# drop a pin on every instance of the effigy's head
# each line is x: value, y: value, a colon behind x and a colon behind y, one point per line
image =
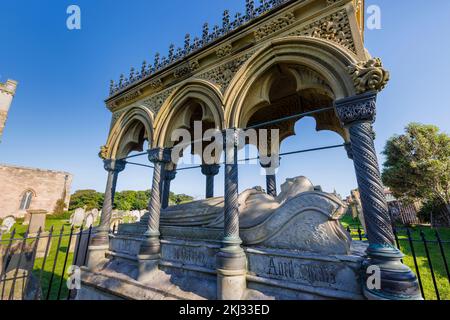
x: 293, y: 187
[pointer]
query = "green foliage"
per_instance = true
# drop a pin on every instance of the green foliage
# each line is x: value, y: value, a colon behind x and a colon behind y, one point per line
x: 131, y: 200
x: 90, y: 199
x: 59, y: 208
x: 125, y: 200
x: 179, y: 198
x: 418, y: 164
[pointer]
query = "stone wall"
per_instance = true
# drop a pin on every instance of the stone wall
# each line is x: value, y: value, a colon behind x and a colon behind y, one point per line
x: 46, y: 186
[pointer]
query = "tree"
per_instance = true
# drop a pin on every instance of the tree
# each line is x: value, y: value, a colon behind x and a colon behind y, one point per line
x: 90, y: 199
x: 417, y: 165
x: 179, y: 198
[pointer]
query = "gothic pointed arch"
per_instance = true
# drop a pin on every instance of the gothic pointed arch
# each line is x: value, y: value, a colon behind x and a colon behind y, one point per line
x: 290, y: 76
x: 197, y: 100
x: 129, y: 132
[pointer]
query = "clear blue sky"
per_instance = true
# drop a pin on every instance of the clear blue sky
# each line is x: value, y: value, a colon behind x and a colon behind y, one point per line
x: 58, y: 119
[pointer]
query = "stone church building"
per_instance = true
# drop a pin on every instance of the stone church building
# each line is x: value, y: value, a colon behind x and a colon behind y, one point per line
x: 23, y: 189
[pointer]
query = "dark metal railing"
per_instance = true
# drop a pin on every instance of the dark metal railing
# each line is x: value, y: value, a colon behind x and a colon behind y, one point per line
x: 425, y: 252
x: 30, y: 265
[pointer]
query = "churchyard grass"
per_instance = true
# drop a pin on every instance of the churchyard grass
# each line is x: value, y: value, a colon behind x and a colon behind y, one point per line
x: 57, y: 224
x: 442, y: 282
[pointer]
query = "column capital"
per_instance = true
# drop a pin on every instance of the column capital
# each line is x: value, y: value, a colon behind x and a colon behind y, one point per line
x: 271, y: 164
x: 210, y: 169
x: 114, y: 165
x: 170, y: 175
x: 357, y: 108
x: 159, y: 155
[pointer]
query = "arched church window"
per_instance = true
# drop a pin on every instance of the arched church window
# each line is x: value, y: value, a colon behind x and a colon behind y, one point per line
x: 25, y: 203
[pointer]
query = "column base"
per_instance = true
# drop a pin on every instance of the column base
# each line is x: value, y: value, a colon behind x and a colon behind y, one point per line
x: 231, y: 274
x: 148, y: 265
x: 398, y: 282
x: 149, y: 257
x: 97, y: 256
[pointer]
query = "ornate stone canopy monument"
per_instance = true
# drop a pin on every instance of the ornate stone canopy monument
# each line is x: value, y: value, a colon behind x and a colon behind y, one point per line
x: 279, y: 60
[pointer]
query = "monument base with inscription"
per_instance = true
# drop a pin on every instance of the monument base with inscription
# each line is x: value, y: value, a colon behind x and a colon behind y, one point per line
x: 294, y: 244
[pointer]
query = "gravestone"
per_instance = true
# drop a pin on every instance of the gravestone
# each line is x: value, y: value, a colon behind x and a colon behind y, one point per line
x: 8, y: 223
x: 89, y: 221
x: 78, y: 217
x: 44, y: 245
x: 96, y: 214
x: 135, y: 215
x: 37, y: 221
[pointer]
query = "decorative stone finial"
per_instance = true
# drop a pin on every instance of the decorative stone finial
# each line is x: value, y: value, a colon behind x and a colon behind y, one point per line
x: 187, y: 43
x: 103, y: 154
x: 144, y: 68
x: 205, y: 34
x: 250, y: 8
x: 171, y: 52
x: 226, y: 20
x: 252, y: 12
x: 369, y: 75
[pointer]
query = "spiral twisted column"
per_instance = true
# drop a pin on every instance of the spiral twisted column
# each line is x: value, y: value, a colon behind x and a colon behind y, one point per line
x: 113, y: 167
x: 271, y: 177
x: 170, y: 174
x: 151, y: 245
x: 231, y: 190
x: 231, y: 259
x: 210, y: 171
x: 99, y: 244
x: 357, y: 114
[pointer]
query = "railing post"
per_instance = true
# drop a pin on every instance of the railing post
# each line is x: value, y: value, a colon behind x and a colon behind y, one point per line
x: 430, y: 264
x: 444, y: 258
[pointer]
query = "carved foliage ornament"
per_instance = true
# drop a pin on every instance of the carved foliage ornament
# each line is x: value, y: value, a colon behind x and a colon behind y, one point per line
x: 224, y: 51
x: 335, y: 27
x: 274, y: 26
x: 103, y: 154
x: 369, y: 75
x: 186, y: 69
x: 155, y: 102
x: 223, y: 74
x: 358, y: 108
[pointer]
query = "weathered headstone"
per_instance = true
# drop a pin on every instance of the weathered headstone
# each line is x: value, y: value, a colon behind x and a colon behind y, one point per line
x: 96, y: 214
x: 44, y: 245
x: 135, y: 215
x: 8, y: 223
x: 37, y: 221
x: 78, y: 217
x: 89, y: 221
